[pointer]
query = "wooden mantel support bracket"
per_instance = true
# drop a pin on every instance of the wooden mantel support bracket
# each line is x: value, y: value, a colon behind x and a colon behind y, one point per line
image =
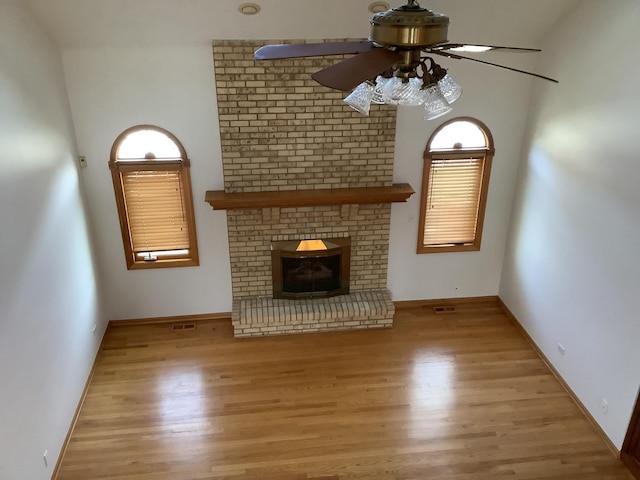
x: 221, y: 200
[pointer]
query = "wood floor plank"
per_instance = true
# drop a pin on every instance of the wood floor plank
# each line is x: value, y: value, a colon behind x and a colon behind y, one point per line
x: 455, y: 396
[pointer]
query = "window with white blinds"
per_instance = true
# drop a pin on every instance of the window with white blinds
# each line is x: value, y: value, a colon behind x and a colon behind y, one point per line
x: 154, y: 199
x: 455, y: 182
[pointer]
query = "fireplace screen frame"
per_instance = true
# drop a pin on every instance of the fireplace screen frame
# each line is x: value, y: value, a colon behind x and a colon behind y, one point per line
x: 287, y: 249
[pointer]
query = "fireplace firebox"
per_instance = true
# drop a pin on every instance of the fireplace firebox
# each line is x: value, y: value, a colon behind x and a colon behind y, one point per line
x: 311, y: 268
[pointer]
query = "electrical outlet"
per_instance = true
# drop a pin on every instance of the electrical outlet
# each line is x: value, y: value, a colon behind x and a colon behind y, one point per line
x: 561, y: 349
x: 604, y: 406
x: 44, y: 457
x: 82, y: 160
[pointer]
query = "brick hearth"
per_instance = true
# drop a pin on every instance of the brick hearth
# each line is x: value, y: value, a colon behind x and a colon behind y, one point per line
x: 255, y: 316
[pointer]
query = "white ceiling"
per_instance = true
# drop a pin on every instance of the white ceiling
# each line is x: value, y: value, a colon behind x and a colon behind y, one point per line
x: 104, y: 23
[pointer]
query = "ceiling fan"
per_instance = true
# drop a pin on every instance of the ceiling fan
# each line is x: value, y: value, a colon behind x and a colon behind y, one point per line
x: 395, y: 66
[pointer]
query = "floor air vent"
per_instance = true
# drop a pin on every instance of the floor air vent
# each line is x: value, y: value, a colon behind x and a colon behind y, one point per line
x: 444, y: 309
x: 183, y: 326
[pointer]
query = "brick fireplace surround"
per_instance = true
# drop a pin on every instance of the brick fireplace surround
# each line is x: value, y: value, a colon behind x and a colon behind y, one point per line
x: 280, y: 131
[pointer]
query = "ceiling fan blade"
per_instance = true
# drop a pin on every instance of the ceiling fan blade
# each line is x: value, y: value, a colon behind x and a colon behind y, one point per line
x: 295, y: 50
x: 350, y: 73
x: 469, y: 48
x: 459, y: 57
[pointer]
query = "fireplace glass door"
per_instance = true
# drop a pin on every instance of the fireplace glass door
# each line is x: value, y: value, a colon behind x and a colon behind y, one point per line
x: 310, y: 268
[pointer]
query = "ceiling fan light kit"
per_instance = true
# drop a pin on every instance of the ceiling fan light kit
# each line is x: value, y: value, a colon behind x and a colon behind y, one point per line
x: 430, y: 86
x: 390, y: 68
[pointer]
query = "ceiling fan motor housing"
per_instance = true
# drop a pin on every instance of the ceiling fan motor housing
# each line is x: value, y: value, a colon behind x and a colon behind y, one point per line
x: 409, y: 27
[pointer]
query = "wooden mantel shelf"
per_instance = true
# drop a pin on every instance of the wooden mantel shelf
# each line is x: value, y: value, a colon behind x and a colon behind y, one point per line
x: 398, y: 192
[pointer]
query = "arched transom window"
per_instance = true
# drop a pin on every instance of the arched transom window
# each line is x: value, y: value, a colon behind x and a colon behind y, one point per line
x: 457, y: 164
x: 150, y: 172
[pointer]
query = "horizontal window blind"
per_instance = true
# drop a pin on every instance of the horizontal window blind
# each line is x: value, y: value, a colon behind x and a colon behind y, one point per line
x: 453, y: 196
x: 155, y: 210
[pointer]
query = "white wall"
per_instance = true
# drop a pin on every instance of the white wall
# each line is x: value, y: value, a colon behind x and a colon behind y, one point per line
x: 140, y: 72
x: 48, y: 293
x: 571, y: 272
x: 112, y: 89
x: 499, y: 99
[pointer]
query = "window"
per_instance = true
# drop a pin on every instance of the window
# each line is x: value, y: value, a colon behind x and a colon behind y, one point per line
x: 150, y: 172
x: 457, y: 164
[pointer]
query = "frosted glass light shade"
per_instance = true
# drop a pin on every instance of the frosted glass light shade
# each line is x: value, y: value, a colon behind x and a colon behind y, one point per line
x: 435, y: 105
x: 360, y: 98
x: 399, y: 92
x: 450, y: 89
x: 377, y: 91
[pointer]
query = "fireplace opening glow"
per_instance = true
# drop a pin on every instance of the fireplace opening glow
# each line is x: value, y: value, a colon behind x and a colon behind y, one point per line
x: 311, y: 246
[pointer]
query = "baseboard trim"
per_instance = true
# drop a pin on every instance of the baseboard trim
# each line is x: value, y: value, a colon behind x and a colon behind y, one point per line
x: 565, y: 385
x: 217, y: 317
x: 402, y: 304
x: 76, y: 415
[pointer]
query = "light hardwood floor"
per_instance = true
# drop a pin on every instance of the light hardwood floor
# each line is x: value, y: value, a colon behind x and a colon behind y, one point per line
x: 456, y: 396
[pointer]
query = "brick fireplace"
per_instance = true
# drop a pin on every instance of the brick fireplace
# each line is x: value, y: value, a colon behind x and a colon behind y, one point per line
x: 281, y: 132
